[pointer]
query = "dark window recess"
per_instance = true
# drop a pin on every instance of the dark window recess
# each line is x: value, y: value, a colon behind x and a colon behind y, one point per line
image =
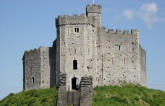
x: 76, y: 30
x: 33, y: 80
x: 74, y: 64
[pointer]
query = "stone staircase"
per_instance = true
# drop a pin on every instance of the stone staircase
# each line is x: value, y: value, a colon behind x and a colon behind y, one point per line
x: 73, y: 98
x: 81, y: 97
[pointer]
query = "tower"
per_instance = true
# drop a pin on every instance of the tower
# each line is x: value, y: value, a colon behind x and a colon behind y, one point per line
x: 76, y: 42
x: 96, y: 11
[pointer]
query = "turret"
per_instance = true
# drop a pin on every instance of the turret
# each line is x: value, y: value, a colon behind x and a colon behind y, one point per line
x: 96, y: 11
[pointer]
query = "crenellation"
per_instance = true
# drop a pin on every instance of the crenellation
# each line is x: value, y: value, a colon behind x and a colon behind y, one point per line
x: 75, y: 20
x: 111, y: 31
x: 83, y: 15
x: 32, y: 51
x: 76, y: 16
x: 118, y: 31
x: 66, y: 16
x: 127, y: 32
x: 134, y: 31
x: 94, y: 8
x: 103, y: 30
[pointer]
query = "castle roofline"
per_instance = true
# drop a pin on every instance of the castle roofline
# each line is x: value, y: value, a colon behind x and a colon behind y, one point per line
x: 75, y: 19
x: 94, y: 8
x: 118, y: 31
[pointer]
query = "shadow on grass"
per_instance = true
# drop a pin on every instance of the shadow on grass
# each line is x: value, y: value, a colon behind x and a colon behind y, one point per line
x: 117, y: 99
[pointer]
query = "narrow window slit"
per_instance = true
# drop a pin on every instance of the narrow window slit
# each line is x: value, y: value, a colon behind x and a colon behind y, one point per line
x: 74, y: 64
x: 33, y: 80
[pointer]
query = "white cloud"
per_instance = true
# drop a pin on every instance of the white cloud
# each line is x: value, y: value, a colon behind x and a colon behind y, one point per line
x: 129, y: 14
x: 147, y: 12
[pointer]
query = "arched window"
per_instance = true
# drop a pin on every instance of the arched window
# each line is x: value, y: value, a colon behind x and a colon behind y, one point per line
x: 74, y: 64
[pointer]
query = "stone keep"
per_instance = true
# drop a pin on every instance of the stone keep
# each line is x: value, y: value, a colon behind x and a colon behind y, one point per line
x: 83, y: 48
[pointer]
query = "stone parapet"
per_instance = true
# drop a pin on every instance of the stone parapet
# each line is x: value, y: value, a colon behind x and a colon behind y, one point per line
x: 94, y: 8
x: 118, y: 31
x: 75, y: 20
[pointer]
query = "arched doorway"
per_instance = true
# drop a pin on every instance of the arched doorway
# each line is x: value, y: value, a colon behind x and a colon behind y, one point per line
x: 75, y: 84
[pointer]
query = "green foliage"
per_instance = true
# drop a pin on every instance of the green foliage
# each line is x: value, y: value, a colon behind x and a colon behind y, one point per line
x: 127, y: 95
x: 42, y: 97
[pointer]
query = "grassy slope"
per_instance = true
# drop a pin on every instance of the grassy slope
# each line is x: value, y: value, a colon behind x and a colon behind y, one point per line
x: 103, y: 96
x: 43, y: 97
x: 128, y: 95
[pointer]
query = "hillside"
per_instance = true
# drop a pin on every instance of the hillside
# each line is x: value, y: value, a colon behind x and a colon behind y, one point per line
x: 129, y: 94
x: 42, y: 97
x: 102, y: 96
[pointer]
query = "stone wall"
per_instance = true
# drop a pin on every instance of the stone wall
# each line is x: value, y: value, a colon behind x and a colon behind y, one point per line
x: 52, y: 63
x: 117, y: 57
x: 47, y: 67
x: 39, y: 68
x: 62, y: 93
x: 86, y: 91
x: 32, y: 69
x: 143, y: 72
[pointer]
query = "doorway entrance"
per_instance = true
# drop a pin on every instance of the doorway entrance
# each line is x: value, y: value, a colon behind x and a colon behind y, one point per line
x: 75, y: 83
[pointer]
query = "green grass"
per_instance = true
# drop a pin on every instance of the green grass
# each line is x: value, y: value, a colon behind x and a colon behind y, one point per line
x: 128, y: 95
x: 42, y: 97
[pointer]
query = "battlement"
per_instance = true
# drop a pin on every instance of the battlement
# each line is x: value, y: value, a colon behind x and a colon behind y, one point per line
x: 32, y: 51
x: 118, y: 31
x: 35, y: 50
x: 94, y: 9
x: 75, y: 20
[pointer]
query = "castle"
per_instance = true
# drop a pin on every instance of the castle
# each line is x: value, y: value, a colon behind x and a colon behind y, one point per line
x: 85, y: 51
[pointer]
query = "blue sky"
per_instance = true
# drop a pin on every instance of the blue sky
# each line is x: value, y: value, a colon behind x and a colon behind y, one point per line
x: 28, y: 24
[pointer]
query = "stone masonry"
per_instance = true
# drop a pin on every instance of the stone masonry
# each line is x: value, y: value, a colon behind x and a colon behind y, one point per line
x: 85, y: 49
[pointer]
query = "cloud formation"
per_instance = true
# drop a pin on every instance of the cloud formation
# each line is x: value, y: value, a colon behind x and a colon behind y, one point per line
x: 147, y: 12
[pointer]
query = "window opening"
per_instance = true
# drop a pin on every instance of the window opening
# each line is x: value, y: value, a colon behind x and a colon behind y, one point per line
x: 74, y: 64
x: 33, y: 80
x: 117, y: 47
x: 76, y: 30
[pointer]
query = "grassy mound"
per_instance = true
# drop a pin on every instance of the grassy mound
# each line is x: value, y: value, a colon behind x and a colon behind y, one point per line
x: 132, y: 95
x: 128, y: 95
x: 42, y: 97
